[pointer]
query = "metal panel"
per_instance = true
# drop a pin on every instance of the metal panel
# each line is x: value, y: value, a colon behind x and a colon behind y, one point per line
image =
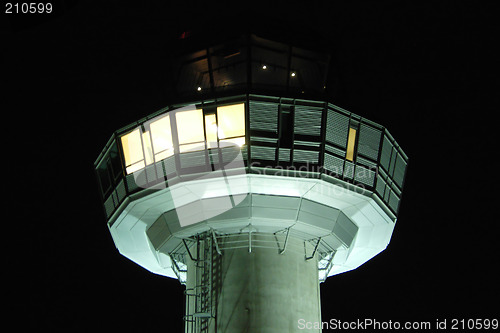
x: 386, y: 153
x: 394, y: 201
x: 244, y: 152
x: 387, y: 193
x: 381, y: 184
x: 263, y: 139
x: 190, y: 159
x: 169, y: 165
x: 158, y: 232
x: 213, y: 155
x: 230, y: 154
x: 316, y: 220
x: 371, y: 165
x: 120, y: 191
x: 263, y: 116
x: 369, y: 141
x: 150, y: 172
x: 344, y: 229
x: 263, y: 153
x: 334, y: 164
x: 131, y: 184
x: 307, y: 120
x: 307, y: 143
x: 399, y: 171
x: 109, y: 206
x: 284, y: 154
x: 336, y: 128
x: 273, y: 213
x: 319, y: 209
x: 334, y: 150
x: 349, y: 170
x: 392, y: 163
x: 300, y: 155
x: 259, y: 200
x: 364, y: 175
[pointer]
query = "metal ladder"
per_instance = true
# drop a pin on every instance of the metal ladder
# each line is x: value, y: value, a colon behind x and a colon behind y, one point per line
x: 204, y: 270
x: 200, y: 297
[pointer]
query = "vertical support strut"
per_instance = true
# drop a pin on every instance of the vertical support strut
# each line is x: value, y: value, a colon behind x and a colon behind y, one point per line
x: 189, y: 252
x: 286, y: 240
x: 250, y: 230
x: 249, y: 241
x: 215, y: 242
x: 315, y: 248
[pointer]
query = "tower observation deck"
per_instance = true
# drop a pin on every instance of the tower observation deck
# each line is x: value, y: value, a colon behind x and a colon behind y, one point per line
x: 251, y: 188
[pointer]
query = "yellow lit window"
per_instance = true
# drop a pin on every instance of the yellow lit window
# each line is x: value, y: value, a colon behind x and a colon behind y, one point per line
x: 190, y: 130
x: 132, y: 151
x: 231, y: 121
x: 195, y: 131
x: 351, y: 141
x: 238, y: 141
x: 211, y: 130
x: 162, y: 138
x: 148, y: 150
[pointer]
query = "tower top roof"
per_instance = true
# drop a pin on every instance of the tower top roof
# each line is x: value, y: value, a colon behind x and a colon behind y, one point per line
x: 248, y: 63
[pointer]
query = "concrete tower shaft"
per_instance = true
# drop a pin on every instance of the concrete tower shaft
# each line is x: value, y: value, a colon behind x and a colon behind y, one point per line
x: 254, y: 286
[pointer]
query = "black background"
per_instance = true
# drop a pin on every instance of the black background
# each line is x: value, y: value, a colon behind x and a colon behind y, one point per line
x: 74, y: 76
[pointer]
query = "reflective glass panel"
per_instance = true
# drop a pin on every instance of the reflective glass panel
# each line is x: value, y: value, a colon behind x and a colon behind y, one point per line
x: 132, y: 150
x: 162, y: 138
x: 148, y: 150
x: 211, y: 130
x: 231, y: 121
x: 190, y: 126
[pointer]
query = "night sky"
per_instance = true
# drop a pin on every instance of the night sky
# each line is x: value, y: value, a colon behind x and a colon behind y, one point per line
x: 73, y: 77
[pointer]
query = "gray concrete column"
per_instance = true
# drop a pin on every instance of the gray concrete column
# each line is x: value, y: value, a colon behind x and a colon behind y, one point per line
x: 264, y: 291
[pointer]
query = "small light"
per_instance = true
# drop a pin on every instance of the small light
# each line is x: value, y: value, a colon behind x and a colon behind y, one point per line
x: 199, y: 88
x: 293, y: 74
x: 264, y: 67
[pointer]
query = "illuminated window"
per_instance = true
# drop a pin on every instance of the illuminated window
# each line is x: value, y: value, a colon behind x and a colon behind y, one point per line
x: 231, y: 121
x: 351, y: 142
x: 211, y: 130
x: 132, y: 151
x: 237, y: 141
x: 190, y: 130
x: 148, y: 149
x: 143, y: 147
x: 162, y: 138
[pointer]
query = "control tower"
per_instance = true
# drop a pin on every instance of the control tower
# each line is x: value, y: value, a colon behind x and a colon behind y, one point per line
x: 251, y: 188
